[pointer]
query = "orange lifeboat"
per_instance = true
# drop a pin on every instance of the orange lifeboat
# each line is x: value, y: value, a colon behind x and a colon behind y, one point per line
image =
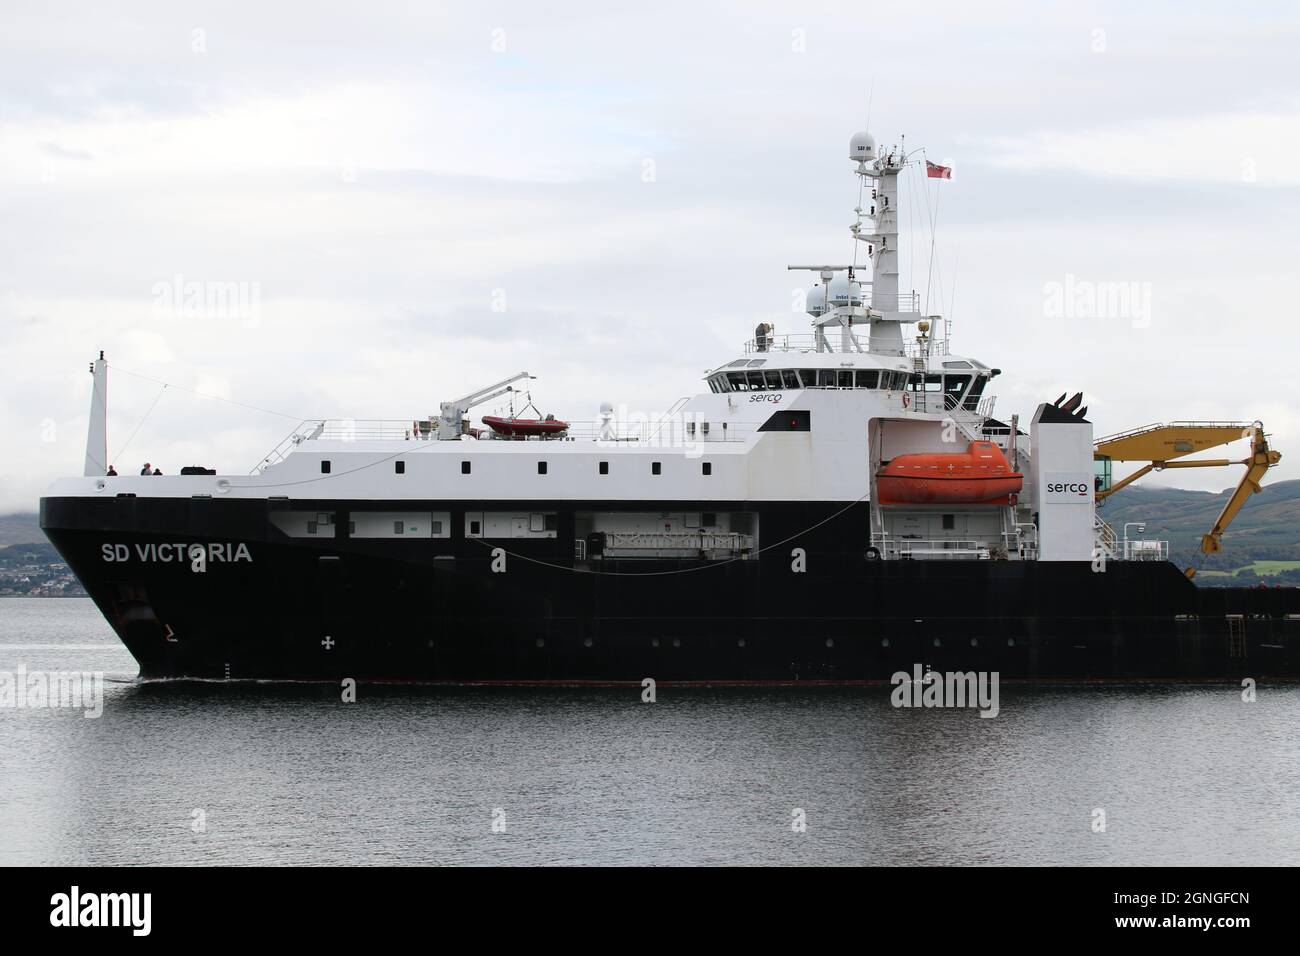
x: 980, y: 476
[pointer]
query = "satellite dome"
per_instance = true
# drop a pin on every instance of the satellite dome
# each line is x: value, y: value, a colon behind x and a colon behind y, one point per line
x: 844, y: 292
x: 862, y: 148
x: 815, y: 301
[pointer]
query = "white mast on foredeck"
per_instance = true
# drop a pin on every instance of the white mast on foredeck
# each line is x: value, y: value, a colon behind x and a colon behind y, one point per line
x: 97, y: 432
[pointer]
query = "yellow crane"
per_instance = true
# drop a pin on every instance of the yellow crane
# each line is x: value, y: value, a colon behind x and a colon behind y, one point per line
x: 1164, y: 446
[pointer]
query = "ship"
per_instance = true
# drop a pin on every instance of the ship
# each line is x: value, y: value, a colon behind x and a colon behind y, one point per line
x: 833, y: 506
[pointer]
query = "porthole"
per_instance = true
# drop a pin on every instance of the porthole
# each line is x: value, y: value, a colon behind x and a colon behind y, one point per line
x: 740, y: 643
x: 974, y: 642
x: 677, y: 642
x: 936, y: 642
x: 654, y: 642
x: 830, y: 642
x: 884, y: 642
x: 586, y: 642
x: 1011, y: 642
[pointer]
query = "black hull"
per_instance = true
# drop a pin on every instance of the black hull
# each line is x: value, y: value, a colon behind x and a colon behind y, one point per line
x: 434, y: 610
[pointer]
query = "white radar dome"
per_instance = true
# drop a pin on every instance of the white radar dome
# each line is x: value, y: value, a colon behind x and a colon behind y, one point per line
x: 862, y: 148
x: 838, y: 292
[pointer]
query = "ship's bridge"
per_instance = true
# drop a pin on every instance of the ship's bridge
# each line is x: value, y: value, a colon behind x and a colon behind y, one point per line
x: 934, y: 379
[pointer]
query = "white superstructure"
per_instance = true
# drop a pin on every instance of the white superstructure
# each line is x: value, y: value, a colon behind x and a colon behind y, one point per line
x: 810, y: 417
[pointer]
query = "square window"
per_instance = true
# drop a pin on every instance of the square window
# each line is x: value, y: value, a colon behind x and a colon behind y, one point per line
x: 604, y: 468
x: 707, y: 467
x: 541, y: 467
x: 474, y: 528
x: 311, y: 527
x: 949, y: 523
x: 397, y: 527
x: 324, y: 466
x: 709, y: 519
x: 399, y: 467
x: 552, y: 522
x: 352, y: 527
x: 464, y: 468
x: 656, y: 468
x: 437, y: 529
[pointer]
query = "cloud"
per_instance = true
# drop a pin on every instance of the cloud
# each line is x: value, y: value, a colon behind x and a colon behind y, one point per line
x: 1244, y: 148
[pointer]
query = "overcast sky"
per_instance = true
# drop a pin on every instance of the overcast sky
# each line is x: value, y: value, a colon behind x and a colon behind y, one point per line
x: 628, y: 184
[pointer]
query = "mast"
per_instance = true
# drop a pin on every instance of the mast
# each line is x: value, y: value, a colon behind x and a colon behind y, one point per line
x: 879, y: 175
x: 97, y: 432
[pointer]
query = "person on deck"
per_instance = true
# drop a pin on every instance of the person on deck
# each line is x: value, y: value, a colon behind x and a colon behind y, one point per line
x: 112, y: 472
x: 147, y: 469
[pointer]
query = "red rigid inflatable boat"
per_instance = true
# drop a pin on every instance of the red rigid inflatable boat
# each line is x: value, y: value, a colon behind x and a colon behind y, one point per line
x: 979, y: 476
x: 525, y: 427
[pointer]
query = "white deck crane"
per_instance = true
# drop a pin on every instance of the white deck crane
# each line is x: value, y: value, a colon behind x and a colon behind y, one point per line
x: 453, y: 412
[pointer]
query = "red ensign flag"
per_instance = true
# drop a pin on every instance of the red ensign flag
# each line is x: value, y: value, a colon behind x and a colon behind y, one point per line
x: 935, y: 171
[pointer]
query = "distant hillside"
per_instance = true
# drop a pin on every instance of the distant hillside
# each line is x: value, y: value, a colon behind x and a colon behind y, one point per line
x: 20, y: 529
x: 1267, y: 530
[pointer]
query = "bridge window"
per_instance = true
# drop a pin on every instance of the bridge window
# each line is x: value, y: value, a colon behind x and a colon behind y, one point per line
x: 737, y: 380
x: 790, y: 378
x: 756, y: 382
x: 954, y: 386
x: 972, y: 401
x: 773, y: 380
x: 826, y: 378
x: 868, y: 378
x: 845, y: 378
x: 809, y: 377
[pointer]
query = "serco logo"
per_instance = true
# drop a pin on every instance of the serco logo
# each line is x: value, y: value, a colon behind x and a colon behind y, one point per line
x: 1068, y: 487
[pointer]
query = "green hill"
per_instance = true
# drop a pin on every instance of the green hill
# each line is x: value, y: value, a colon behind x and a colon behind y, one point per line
x: 1265, y: 537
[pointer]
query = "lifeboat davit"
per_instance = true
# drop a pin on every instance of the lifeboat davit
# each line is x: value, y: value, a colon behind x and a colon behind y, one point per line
x: 525, y: 427
x: 979, y: 476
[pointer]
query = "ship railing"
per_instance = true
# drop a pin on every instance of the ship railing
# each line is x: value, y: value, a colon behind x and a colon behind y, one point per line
x: 1141, y: 429
x: 892, y: 547
x: 805, y: 342
x: 666, y: 431
x: 1106, y: 540
x: 833, y: 340
x: 303, y: 431
x: 1144, y: 549
x: 915, y: 350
